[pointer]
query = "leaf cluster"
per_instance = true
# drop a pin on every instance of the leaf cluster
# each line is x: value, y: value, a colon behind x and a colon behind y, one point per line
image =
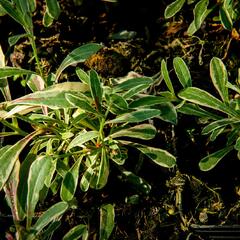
x: 79, y: 129
x: 228, y: 12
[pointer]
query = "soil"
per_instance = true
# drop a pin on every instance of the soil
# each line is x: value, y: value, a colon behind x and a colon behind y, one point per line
x: 206, y: 197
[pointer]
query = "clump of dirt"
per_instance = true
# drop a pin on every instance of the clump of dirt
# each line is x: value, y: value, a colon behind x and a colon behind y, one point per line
x: 109, y: 63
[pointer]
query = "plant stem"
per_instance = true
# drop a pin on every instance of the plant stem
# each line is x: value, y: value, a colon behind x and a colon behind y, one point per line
x: 35, y: 54
x: 15, y: 129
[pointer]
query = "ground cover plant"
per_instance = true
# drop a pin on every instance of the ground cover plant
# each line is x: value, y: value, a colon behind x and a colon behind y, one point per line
x: 228, y: 12
x: 115, y: 127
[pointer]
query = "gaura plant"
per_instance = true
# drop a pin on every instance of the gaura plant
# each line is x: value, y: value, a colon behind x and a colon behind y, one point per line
x: 87, y: 122
x: 183, y: 76
x: 25, y: 179
x: 228, y: 12
x: 23, y: 201
x: 78, y: 129
x: 222, y: 113
x: 75, y: 134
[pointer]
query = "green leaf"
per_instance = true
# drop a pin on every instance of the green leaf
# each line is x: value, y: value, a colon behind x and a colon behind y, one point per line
x: 18, y: 110
x: 137, y: 182
x: 85, y: 121
x: 78, y: 55
x: 135, y: 90
x: 86, y: 178
x: 70, y: 181
x: 159, y: 156
x: 233, y: 87
x: 37, y: 174
x: 118, y: 101
x: 182, y: 72
x: 225, y: 18
x: 4, y: 87
x: 53, y: 97
x: 136, y: 116
x: 3, y: 179
x: 36, y: 83
x: 53, y: 213
x: 62, y: 167
x: 50, y: 79
x: 23, y: 175
x: 67, y: 135
x: 173, y: 8
x: 101, y: 171
x: 142, y: 131
x: 76, y: 232
x: 168, y: 113
x: 232, y: 8
x: 191, y: 28
x: 117, y: 153
x: 228, y: 4
x: 166, y: 78
x: 80, y: 102
x: 168, y: 96
x: 147, y: 101
x: 82, y: 138
x: 14, y: 39
x: 47, y: 19
x: 2, y: 11
x: 51, y: 172
x: 219, y: 78
x: 199, y: 12
x: 96, y: 89
x: 107, y: 215
x: 10, y: 190
x: 32, y: 5
x: 210, y: 161
x: 237, y: 144
x: 83, y: 76
x: 132, y: 83
x: 192, y: 109
x: 12, y: 71
x: 218, y: 124
x: 12, y: 11
x: 132, y: 200
x: 56, y: 184
x: 2, y: 60
x: 235, y: 104
x: 53, y: 8
x: 9, y: 155
x: 53, y: 226
x: 216, y: 133
x: 24, y: 8
x: 233, y: 136
x: 203, y: 98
